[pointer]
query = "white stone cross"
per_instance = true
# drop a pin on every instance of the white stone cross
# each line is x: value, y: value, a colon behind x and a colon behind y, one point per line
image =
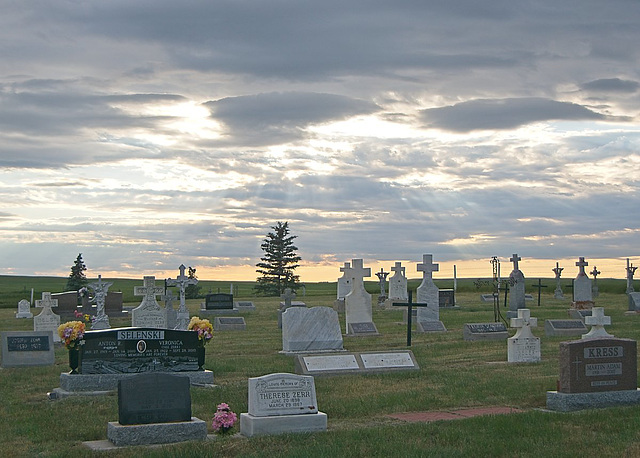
x: 428, y: 267
x: 288, y: 296
x: 581, y: 265
x: 182, y: 281
x: 358, y: 271
x: 46, y: 301
x: 149, y: 290
x: 524, y: 323
x: 597, y: 321
x: 346, y: 268
x: 398, y: 269
x: 514, y: 259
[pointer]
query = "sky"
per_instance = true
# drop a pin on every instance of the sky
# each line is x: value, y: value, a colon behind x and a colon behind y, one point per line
x: 150, y: 134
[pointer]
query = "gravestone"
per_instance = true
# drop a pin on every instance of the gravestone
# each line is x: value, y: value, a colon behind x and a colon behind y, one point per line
x: 170, y: 314
x: 484, y: 331
x: 344, y: 282
x: 310, y: 330
x: 596, y: 373
x: 358, y: 302
x: 148, y: 314
x: 100, y: 288
x: 155, y: 409
x: 523, y: 347
x: 245, y: 306
x: 631, y: 270
x: 597, y: 321
x: 516, y: 288
x: 182, y: 282
x: 362, y: 329
x: 113, y: 305
x: 447, y: 298
x: 27, y: 348
x: 282, y: 403
x: 218, y: 303
x: 24, y: 309
x: 227, y: 323
x: 398, y: 284
x: 382, y: 281
x: 575, y: 314
x: 564, y: 328
x: 356, y: 363
x: 594, y: 288
x: 68, y: 304
x: 582, y: 288
x: 634, y: 302
x: 287, y: 301
x: 428, y: 293
x: 47, y: 320
x: 557, y: 294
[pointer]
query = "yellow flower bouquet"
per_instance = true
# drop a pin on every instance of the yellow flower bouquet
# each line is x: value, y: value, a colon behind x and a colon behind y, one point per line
x: 71, y: 333
x: 203, y: 327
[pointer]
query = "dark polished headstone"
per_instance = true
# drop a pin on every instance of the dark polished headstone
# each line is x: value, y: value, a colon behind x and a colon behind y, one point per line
x: 219, y: 301
x: 154, y: 398
x: 133, y: 350
x: 447, y: 298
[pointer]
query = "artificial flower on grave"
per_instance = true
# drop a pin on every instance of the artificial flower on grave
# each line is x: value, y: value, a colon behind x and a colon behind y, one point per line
x: 203, y: 327
x: 71, y: 333
x: 224, y: 419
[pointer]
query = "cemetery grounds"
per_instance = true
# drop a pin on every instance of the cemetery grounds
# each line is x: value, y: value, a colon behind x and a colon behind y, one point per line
x: 454, y: 374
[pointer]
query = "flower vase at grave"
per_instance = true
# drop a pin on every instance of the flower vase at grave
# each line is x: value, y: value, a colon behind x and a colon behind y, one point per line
x: 201, y: 356
x: 74, y: 359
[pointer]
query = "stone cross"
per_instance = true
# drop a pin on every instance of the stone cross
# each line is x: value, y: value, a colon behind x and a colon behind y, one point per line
x: 595, y: 272
x: 46, y: 302
x: 631, y: 270
x: 557, y: 270
x: 287, y: 297
x: 346, y: 268
x: 581, y: 265
x: 359, y: 272
x: 428, y: 267
x: 597, y: 321
x: 100, y: 290
x: 524, y: 323
x: 344, y: 282
x: 398, y: 269
x: 149, y: 290
x: 182, y: 281
x: 382, y: 276
x: 514, y: 259
x: 557, y: 294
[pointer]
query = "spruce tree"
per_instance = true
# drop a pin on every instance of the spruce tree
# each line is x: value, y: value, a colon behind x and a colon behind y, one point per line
x: 77, y: 279
x: 278, y: 263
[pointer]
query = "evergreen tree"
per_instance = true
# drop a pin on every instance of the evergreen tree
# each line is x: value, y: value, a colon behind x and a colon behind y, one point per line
x: 192, y: 291
x: 77, y: 279
x: 278, y: 263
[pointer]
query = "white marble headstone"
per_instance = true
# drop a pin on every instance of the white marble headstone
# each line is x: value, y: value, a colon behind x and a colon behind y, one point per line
x: 398, y: 283
x: 311, y: 329
x: 582, y: 285
x: 516, y: 288
x: 523, y: 347
x: 428, y: 292
x: 24, y: 309
x: 282, y: 394
x: 358, y: 307
x: 47, y: 320
x: 148, y: 314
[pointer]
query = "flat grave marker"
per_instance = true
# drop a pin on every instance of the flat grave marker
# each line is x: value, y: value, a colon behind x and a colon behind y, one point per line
x: 564, y: 328
x: 27, y: 348
x: 484, y: 331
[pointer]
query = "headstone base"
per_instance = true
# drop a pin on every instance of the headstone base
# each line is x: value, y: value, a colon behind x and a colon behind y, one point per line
x: 255, y: 426
x: 362, y: 329
x: 157, y: 433
x: 430, y: 326
x: 24, y: 315
x: 102, y: 384
x: 567, y: 402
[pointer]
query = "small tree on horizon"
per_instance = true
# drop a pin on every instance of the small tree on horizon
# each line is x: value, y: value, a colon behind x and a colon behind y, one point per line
x: 192, y: 291
x: 278, y: 263
x: 77, y: 279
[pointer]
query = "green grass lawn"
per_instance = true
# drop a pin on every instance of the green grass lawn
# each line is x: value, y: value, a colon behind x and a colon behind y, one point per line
x: 453, y: 374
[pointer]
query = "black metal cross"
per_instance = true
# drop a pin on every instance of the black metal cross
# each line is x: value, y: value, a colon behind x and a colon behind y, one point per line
x: 539, y: 286
x: 409, y: 304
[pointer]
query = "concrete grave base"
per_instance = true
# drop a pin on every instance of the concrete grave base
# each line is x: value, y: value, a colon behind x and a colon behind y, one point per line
x: 156, y: 433
x: 567, y: 402
x: 102, y: 384
x: 255, y: 426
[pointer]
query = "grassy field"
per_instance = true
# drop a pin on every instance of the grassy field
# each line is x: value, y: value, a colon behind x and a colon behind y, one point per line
x: 454, y: 374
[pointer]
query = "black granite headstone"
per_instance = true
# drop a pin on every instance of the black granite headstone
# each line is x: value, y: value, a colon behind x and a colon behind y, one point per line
x: 219, y: 301
x: 154, y: 398
x: 447, y: 298
x: 127, y: 350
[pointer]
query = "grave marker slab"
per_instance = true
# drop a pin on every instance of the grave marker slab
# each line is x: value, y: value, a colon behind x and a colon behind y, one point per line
x: 362, y: 363
x: 564, y: 328
x: 363, y: 329
x: 225, y: 323
x: 27, y: 348
x: 634, y: 302
x: 484, y: 331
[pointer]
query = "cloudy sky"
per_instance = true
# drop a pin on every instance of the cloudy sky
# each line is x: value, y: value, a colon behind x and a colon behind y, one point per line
x: 146, y: 134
